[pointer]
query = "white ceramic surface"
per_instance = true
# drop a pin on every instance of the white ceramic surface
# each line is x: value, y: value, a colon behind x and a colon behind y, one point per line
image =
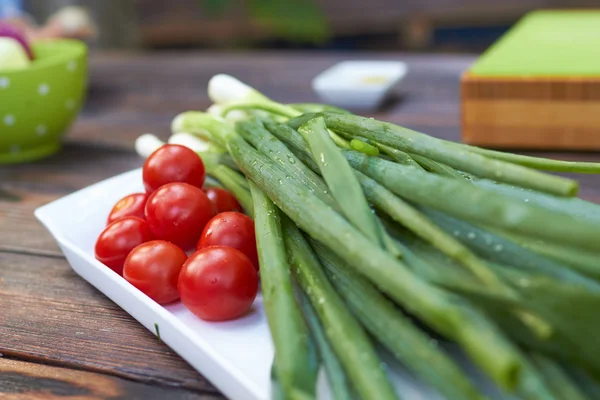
x: 235, y: 356
x: 358, y: 84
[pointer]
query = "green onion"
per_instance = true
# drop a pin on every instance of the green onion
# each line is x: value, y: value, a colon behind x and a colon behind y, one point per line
x: 296, y: 122
x: 413, y: 160
x: 539, y: 162
x: 499, y: 249
x: 305, y: 171
x: 338, y: 381
x: 236, y: 184
x: 532, y: 385
x: 570, y: 309
x: 582, y: 261
x: 568, y: 205
x: 295, y: 363
x: 399, y: 156
x: 340, y: 179
x: 419, y: 144
x: 200, y: 124
x: 288, y: 135
x: 587, y: 384
x: 317, y: 107
x: 339, y: 141
x: 397, y: 333
x: 463, y: 199
x: 441, y: 311
x: 364, y: 147
x: 351, y: 344
x: 264, y: 105
x: 557, y: 379
x: 521, y: 255
x: 436, y: 167
x: 217, y: 158
x: 435, y: 267
x: 256, y: 134
x: 294, y: 139
x: 408, y: 216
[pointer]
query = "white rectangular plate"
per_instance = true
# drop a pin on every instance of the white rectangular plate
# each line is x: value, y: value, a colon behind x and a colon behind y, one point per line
x: 235, y: 356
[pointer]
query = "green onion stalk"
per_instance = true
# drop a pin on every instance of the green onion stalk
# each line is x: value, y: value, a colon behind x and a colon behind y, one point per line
x: 498, y: 357
x: 465, y: 200
x: 295, y: 359
x: 350, y: 342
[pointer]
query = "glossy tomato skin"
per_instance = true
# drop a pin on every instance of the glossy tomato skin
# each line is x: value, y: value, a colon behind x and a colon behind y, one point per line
x: 232, y: 229
x: 177, y: 212
x: 173, y: 163
x: 218, y: 283
x: 132, y: 205
x: 118, y: 239
x: 223, y: 200
x: 153, y: 267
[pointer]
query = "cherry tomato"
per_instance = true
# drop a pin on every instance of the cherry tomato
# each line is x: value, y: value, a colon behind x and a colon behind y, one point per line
x: 173, y: 163
x: 177, y: 212
x: 218, y: 283
x: 153, y: 267
x: 223, y: 200
x: 232, y: 229
x: 129, y: 206
x: 118, y: 239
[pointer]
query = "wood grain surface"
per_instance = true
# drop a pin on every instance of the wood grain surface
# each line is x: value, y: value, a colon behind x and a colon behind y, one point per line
x: 51, y: 315
x: 62, y: 338
x: 531, y: 112
x: 25, y: 381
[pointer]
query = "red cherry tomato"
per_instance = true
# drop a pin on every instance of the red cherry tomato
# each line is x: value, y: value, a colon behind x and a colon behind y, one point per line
x: 231, y: 229
x: 118, y: 239
x: 173, y: 163
x: 153, y: 267
x: 223, y: 200
x: 218, y: 283
x: 129, y: 206
x: 177, y: 212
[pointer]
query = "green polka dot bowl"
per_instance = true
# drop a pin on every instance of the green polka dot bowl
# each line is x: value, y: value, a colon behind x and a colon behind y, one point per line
x: 39, y: 103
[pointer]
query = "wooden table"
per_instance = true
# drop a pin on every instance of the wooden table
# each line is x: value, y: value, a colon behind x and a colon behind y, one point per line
x: 60, y: 337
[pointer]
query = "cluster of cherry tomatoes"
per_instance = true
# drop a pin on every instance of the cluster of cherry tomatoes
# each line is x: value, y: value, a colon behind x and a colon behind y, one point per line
x: 149, y: 235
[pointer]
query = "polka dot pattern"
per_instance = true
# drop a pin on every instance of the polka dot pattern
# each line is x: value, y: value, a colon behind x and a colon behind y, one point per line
x: 9, y: 120
x: 38, y: 106
x: 41, y: 130
x: 43, y: 89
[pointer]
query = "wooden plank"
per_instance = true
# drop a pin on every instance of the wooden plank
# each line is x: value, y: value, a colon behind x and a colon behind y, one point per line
x: 561, y: 113
x: 39, y: 183
x: 539, y: 124
x: 76, y: 167
x: 52, y: 316
x: 526, y: 114
x: 579, y: 88
x: 21, y: 380
x: 20, y: 231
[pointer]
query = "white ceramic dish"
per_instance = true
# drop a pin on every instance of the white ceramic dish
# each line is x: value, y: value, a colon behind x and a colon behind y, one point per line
x: 235, y: 356
x: 358, y: 84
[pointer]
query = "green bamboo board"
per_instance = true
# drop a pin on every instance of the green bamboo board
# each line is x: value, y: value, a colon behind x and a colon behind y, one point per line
x: 546, y: 43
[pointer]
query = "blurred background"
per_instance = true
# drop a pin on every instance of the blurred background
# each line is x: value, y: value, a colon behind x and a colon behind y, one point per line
x: 381, y: 25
